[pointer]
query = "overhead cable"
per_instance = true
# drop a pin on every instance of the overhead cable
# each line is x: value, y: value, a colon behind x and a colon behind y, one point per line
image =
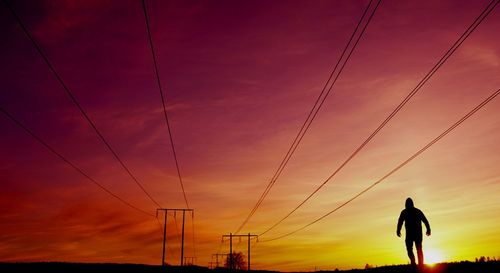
x: 337, y: 70
x: 67, y: 161
x: 417, y: 88
x: 163, y: 100
x: 75, y: 101
x: 398, y: 167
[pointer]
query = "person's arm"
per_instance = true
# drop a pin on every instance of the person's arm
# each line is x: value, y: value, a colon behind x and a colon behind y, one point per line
x: 427, y: 226
x: 400, y: 224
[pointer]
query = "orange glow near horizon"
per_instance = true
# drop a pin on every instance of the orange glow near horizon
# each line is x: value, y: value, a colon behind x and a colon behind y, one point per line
x: 240, y: 78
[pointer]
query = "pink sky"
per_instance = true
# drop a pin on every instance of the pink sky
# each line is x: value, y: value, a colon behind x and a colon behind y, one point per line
x: 240, y: 78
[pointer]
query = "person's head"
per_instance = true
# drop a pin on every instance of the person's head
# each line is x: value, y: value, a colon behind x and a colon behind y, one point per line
x: 409, y: 203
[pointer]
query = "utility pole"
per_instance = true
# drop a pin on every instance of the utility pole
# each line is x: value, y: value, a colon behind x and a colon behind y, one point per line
x: 217, y: 258
x: 164, y: 240
x: 231, y: 263
x: 182, y: 240
x: 189, y: 260
x: 249, y: 236
x: 165, y: 232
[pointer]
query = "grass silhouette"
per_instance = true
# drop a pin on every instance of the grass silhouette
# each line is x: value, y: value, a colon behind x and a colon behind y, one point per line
x: 61, y: 267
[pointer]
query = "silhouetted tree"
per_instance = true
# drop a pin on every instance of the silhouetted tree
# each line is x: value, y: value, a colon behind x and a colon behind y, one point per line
x: 238, y: 260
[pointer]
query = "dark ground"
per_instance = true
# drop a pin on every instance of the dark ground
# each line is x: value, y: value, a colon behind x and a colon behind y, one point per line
x: 458, y: 267
x: 57, y: 267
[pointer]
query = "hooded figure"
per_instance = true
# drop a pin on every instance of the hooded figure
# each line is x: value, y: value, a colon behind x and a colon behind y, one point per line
x: 413, y: 219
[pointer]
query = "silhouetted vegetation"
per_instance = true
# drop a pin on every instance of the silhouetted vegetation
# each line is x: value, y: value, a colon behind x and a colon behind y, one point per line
x: 483, y: 265
x: 238, y: 260
x: 57, y: 267
x: 457, y: 267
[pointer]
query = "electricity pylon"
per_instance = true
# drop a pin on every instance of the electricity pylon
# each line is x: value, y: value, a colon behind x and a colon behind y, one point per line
x: 249, y: 236
x: 165, y: 232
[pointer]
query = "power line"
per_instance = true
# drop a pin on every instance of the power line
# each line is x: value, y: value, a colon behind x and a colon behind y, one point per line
x: 75, y: 101
x: 422, y: 82
x: 316, y: 107
x: 67, y: 161
x: 401, y: 165
x: 157, y: 74
x: 309, y: 119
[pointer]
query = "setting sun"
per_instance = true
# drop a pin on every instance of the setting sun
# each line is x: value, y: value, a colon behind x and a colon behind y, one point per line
x: 433, y: 256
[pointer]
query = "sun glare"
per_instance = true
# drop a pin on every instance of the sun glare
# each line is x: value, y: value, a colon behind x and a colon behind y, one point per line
x: 433, y: 256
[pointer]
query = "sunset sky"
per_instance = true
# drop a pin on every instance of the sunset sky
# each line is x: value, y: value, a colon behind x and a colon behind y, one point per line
x: 240, y: 78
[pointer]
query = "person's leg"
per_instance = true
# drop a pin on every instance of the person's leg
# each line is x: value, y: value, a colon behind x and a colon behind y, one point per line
x: 409, y: 246
x: 420, y: 253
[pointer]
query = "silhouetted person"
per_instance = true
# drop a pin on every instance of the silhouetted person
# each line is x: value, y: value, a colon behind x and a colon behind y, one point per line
x: 413, y: 219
